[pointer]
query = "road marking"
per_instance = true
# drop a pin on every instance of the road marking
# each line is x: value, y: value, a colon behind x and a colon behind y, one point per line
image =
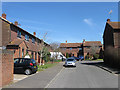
x: 54, y: 78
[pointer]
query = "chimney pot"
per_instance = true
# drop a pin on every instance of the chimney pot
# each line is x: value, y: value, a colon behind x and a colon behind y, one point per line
x: 34, y: 33
x: 4, y: 15
x: 83, y: 40
x: 16, y: 23
x: 108, y: 20
x: 66, y: 41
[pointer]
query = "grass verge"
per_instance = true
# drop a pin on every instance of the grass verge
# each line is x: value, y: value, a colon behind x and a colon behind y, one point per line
x: 98, y: 60
x: 47, y: 65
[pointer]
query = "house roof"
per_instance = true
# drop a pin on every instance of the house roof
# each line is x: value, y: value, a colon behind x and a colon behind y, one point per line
x: 16, y: 42
x: 70, y: 44
x: 30, y: 46
x: 114, y: 25
x: 21, y: 29
x: 90, y: 43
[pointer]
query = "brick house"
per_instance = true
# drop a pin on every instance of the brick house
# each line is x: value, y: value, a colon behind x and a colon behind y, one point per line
x: 73, y: 49
x: 79, y: 49
x: 111, y: 40
x: 88, y: 47
x: 20, y: 41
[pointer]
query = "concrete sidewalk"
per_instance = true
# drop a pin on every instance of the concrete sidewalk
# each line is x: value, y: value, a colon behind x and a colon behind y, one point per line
x: 38, y: 80
x: 109, y: 69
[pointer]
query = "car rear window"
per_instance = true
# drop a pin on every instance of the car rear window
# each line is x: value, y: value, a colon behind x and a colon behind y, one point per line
x: 70, y: 59
x: 16, y: 60
x: 33, y: 60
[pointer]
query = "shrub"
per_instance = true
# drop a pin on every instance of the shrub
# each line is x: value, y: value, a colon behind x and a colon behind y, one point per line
x: 95, y: 56
x: 67, y: 55
x: 86, y: 57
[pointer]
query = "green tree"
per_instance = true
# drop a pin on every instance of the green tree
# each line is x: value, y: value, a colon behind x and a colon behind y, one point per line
x: 67, y: 55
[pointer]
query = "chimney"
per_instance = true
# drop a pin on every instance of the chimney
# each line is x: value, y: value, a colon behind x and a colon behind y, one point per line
x: 66, y: 41
x: 34, y: 33
x: 108, y: 20
x: 83, y: 40
x: 4, y: 15
x: 16, y: 23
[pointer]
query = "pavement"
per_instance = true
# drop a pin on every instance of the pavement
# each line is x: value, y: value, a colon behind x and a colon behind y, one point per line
x: 38, y: 80
x: 87, y: 74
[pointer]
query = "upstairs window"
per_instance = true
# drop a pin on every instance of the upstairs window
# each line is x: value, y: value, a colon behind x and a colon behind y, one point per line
x: 38, y: 43
x: 27, y: 37
x: 33, y: 40
x: 63, y: 48
x: 18, y: 34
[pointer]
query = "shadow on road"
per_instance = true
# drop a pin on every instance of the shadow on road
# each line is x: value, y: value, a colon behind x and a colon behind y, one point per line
x: 69, y: 66
x: 102, y: 65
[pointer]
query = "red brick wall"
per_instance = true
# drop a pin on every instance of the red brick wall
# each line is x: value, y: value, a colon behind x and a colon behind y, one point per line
x: 73, y: 51
x: 7, y: 67
x: 5, y: 32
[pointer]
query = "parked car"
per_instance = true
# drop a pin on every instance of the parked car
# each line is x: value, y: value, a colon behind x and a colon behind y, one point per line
x: 81, y: 58
x: 25, y: 65
x: 76, y: 58
x: 70, y: 62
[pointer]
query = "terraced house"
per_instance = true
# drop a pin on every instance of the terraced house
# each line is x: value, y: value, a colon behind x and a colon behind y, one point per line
x: 72, y: 49
x: 80, y: 49
x: 20, y: 41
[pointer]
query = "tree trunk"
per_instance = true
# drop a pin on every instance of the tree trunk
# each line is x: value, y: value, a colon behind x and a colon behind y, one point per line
x: 40, y: 58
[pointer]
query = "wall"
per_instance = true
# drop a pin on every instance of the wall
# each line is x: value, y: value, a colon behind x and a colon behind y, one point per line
x: 5, y: 32
x: 111, y: 46
x: 7, y: 67
x: 73, y: 51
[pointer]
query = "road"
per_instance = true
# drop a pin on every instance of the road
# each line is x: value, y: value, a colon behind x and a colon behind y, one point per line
x: 85, y: 75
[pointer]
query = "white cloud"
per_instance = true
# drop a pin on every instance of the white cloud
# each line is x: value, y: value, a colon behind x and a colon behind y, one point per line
x: 88, y: 21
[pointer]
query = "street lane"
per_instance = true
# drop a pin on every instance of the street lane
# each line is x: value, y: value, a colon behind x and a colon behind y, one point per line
x: 85, y: 75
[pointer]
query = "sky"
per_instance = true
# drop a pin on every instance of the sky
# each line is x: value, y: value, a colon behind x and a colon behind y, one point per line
x: 71, y: 21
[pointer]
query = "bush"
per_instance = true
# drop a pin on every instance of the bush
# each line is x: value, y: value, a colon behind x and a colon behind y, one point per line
x: 86, y: 57
x: 95, y: 56
x: 67, y: 55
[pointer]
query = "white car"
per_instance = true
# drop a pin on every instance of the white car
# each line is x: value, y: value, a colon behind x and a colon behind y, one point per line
x: 70, y: 62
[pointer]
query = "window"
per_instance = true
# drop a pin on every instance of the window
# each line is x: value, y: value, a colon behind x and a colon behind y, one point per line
x: 33, y: 40
x: 16, y: 60
x: 70, y: 48
x: 32, y: 54
x: 18, y: 34
x: 19, y: 52
x: 33, y: 61
x: 63, y: 48
x: 26, y: 37
x: 80, y: 48
x: 38, y: 42
x: 22, y: 53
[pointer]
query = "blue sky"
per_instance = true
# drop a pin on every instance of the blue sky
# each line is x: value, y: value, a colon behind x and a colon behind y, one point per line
x: 71, y: 21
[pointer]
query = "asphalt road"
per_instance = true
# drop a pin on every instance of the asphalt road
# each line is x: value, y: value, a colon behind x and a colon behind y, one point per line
x: 85, y: 75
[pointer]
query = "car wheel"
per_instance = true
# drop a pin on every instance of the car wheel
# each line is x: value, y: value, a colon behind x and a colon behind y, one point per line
x: 28, y: 71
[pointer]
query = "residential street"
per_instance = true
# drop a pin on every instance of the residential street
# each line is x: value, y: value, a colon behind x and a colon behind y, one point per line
x: 85, y: 75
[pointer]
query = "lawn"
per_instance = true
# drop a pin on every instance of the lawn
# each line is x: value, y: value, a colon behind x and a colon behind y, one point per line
x: 98, y: 60
x: 47, y: 65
